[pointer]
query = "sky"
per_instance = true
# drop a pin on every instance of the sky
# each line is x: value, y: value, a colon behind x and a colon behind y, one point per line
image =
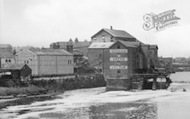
x: 38, y: 23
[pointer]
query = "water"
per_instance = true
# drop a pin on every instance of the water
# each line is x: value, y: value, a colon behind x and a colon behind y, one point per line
x: 180, y: 77
x: 95, y: 103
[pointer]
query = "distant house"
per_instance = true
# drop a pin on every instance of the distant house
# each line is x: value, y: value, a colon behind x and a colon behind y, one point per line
x: 71, y: 45
x: 46, y: 61
x: 112, y: 35
x: 6, y: 55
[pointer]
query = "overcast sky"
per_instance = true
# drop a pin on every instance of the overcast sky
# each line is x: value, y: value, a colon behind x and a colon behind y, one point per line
x: 41, y: 22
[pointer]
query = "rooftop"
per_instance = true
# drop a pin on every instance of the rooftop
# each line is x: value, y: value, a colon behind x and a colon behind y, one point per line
x: 47, y: 51
x: 101, y: 45
x: 63, y: 44
x: 116, y: 33
x: 13, y: 66
x: 131, y: 44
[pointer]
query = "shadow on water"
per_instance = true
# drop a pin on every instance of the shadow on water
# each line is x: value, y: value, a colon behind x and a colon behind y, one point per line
x: 135, y: 110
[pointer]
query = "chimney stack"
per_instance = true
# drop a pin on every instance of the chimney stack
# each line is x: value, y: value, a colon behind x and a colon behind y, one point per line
x: 111, y: 27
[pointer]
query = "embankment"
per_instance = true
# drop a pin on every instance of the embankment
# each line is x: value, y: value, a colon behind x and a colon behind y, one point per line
x: 53, y: 84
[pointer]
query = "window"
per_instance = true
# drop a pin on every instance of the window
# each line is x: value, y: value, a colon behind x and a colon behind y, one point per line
x: 69, y: 62
x: 118, y: 47
x: 26, y: 62
x: 8, y: 60
x: 118, y: 71
x: 103, y: 38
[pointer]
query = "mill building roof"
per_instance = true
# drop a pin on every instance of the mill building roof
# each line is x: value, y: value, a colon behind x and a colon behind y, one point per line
x: 116, y: 33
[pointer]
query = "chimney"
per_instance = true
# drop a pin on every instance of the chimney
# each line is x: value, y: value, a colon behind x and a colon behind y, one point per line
x: 111, y: 27
x: 69, y: 47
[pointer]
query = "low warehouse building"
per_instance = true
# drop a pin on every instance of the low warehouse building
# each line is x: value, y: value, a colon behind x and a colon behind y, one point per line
x: 46, y: 62
x: 15, y: 73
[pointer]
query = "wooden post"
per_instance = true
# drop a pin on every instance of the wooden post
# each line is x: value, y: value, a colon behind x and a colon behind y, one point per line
x: 154, y: 83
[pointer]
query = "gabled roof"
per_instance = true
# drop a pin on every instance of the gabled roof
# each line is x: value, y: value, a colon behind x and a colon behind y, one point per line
x: 13, y: 66
x: 131, y: 44
x: 116, y: 33
x: 101, y: 45
x: 48, y: 51
x: 77, y: 52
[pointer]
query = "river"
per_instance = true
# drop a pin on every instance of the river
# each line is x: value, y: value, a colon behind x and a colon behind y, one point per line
x: 95, y: 103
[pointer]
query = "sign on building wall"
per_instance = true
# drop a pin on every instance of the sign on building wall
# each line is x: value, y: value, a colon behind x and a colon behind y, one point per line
x: 118, y: 59
x: 118, y: 50
x: 118, y: 67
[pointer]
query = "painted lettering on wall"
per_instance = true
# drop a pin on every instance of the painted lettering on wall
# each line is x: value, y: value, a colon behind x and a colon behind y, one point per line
x: 118, y: 58
x: 118, y: 50
x: 118, y: 67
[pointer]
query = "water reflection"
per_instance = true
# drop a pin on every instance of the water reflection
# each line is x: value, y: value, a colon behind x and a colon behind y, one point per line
x: 135, y: 110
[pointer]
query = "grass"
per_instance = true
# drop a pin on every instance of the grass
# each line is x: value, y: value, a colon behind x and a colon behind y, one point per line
x: 30, y: 90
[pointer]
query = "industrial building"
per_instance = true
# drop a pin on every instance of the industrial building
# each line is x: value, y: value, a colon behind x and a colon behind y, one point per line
x: 120, y: 56
x: 46, y: 62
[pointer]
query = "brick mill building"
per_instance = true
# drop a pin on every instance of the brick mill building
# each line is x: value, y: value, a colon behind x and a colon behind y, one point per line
x: 119, y: 56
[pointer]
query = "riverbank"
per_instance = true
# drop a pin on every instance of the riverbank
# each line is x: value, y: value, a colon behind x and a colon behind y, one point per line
x: 8, y: 92
x: 44, y: 85
x: 97, y: 103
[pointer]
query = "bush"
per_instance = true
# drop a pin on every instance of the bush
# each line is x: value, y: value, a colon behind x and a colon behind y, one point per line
x: 30, y: 90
